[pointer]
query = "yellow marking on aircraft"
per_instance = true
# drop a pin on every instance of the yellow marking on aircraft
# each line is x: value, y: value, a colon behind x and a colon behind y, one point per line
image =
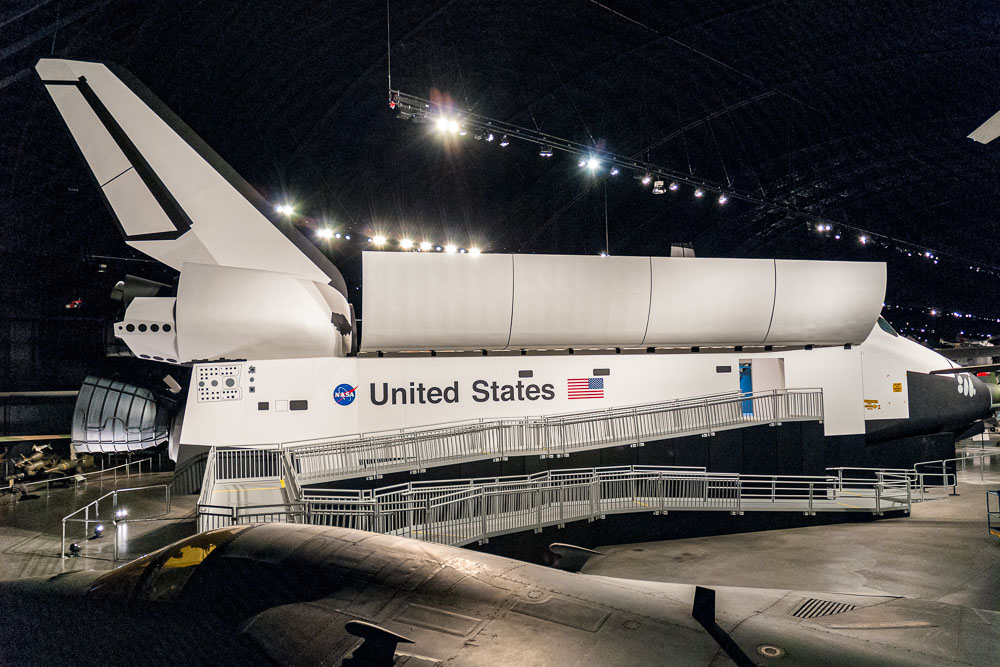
x: 282, y: 483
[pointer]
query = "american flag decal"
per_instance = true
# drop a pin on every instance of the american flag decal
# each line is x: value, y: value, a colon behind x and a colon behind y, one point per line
x: 585, y: 387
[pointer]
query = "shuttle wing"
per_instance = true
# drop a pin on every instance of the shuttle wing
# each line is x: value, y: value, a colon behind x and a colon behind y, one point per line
x: 172, y: 197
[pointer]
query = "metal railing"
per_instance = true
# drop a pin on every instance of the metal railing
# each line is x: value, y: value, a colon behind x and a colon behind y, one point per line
x: 372, y: 455
x: 924, y: 477
x: 463, y: 511
x: 123, y: 470
x: 95, y: 505
x: 220, y: 516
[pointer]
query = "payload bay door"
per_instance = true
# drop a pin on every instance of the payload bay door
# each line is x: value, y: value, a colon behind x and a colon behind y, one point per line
x: 760, y: 375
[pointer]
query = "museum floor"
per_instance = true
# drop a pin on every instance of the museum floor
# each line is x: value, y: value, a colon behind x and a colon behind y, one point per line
x: 941, y: 552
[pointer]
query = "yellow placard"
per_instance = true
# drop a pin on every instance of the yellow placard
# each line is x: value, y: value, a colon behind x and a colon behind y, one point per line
x: 897, y: 387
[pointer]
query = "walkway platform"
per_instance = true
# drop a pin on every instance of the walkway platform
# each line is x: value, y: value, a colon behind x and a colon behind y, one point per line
x: 373, y: 455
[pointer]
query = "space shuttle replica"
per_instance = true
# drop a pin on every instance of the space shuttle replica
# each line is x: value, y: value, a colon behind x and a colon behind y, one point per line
x: 263, y: 318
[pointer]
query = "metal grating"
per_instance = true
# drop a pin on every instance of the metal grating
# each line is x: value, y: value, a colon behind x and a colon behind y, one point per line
x: 813, y: 608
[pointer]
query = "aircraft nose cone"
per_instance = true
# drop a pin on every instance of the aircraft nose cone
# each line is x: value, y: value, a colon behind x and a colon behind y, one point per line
x: 957, y: 400
x: 937, y: 404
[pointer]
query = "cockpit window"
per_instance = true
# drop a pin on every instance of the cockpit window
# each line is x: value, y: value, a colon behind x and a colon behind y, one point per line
x: 886, y: 327
x: 162, y: 574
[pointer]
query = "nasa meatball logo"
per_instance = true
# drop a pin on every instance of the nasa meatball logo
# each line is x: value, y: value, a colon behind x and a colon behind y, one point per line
x: 343, y: 394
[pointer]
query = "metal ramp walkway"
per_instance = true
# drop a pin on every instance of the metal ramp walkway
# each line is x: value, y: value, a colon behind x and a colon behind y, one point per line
x: 463, y: 511
x: 375, y: 454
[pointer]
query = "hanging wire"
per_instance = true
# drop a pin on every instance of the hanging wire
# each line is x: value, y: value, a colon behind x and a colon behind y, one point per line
x: 388, y: 46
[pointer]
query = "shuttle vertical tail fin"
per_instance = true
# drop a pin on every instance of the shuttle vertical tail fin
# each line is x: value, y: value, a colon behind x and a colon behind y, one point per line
x: 172, y: 197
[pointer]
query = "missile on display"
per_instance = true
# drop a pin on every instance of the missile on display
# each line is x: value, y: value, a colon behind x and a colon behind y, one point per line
x: 263, y: 316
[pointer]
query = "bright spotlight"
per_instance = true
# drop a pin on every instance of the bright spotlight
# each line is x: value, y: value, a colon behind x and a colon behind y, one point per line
x: 450, y: 248
x: 461, y: 251
x: 647, y: 179
x: 437, y: 248
x: 504, y: 141
x: 604, y: 254
x: 474, y: 252
x: 489, y: 136
x: 121, y: 514
x: 545, y: 151
x: 863, y: 240
x: 284, y: 209
x: 582, y: 163
x: 674, y: 187
x: 406, y: 244
x: 614, y: 171
x: 99, y: 530
x: 593, y: 163
x: 324, y: 233
x: 426, y: 245
x: 347, y: 236
x: 447, y: 125
x: 699, y: 193
x: 337, y: 235
x: 378, y: 240
x: 723, y: 199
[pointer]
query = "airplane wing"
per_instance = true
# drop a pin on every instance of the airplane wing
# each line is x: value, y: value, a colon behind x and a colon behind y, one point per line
x: 172, y: 197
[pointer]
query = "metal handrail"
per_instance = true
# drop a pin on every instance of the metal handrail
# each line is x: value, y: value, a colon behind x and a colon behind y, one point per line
x: 96, y: 504
x: 373, y: 455
x: 463, y: 511
x: 689, y: 401
x: 148, y: 461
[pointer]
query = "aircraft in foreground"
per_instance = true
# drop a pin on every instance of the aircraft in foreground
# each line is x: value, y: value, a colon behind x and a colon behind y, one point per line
x: 309, y: 595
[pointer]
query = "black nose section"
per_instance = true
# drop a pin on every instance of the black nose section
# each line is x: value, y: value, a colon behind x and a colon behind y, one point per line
x: 938, y: 403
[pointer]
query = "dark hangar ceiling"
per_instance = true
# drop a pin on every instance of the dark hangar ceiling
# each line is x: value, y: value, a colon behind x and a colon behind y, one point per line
x: 853, y: 111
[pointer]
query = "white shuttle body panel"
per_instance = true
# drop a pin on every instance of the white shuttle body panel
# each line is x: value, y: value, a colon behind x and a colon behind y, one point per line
x: 287, y: 401
x: 263, y: 315
x: 461, y: 302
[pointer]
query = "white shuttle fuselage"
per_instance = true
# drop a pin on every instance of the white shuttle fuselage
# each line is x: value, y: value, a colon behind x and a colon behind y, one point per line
x: 263, y: 318
x: 287, y: 401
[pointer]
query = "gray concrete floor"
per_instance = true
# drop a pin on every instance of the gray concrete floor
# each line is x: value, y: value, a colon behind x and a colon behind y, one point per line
x: 31, y: 530
x: 941, y: 552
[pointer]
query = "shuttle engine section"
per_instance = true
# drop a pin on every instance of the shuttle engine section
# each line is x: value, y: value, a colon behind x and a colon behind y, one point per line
x: 225, y: 312
x: 420, y: 301
x: 112, y: 416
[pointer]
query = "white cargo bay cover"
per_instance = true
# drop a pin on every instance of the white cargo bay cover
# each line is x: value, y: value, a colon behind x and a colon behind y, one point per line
x: 431, y: 301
